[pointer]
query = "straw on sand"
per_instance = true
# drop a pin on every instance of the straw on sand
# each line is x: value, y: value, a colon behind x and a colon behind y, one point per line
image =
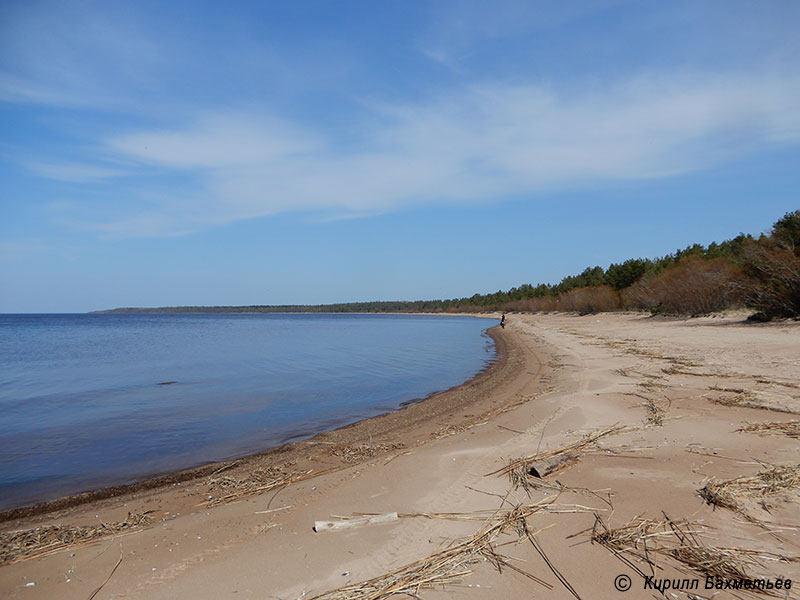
x: 259, y: 481
x: 645, y: 539
x: 517, y: 469
x: 733, y: 493
x: 655, y: 413
x: 450, y: 565
x: 359, y: 452
x: 790, y: 429
x: 46, y: 539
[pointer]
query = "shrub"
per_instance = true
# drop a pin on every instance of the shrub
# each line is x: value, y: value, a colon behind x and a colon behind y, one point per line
x: 774, y: 288
x: 695, y: 286
x: 542, y: 304
x: 588, y: 300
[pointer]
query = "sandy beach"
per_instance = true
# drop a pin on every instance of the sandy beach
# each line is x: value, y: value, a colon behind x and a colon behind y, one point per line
x: 674, y: 445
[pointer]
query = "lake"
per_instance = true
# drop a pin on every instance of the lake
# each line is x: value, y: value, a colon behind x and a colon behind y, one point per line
x: 94, y: 400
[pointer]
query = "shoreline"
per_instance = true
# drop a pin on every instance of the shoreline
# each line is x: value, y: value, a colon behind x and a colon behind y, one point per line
x: 355, y: 432
x: 652, y: 413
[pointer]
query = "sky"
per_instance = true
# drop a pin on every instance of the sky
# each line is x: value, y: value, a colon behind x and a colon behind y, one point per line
x: 238, y: 153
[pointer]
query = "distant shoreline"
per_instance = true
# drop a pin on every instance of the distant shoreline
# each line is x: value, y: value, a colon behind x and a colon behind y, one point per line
x: 122, y: 311
x: 377, y: 307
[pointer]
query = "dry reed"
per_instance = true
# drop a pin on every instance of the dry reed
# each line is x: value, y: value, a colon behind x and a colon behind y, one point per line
x: 46, y: 539
x: 641, y: 541
x: 359, y: 452
x: 733, y: 493
x: 517, y: 469
x: 655, y: 413
x: 447, y: 566
x: 758, y: 399
x: 790, y: 429
x: 261, y: 480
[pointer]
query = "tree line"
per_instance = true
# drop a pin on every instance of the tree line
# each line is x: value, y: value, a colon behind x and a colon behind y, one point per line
x: 760, y: 273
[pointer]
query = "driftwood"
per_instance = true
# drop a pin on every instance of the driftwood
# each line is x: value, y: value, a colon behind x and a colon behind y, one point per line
x: 450, y: 565
x: 542, y: 468
x: 356, y: 522
x: 574, y: 448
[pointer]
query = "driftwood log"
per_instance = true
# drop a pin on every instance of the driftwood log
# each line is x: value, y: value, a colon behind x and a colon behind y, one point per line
x: 355, y: 522
x: 543, y: 468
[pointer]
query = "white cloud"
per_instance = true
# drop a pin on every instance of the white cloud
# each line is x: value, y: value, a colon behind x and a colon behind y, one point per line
x: 482, y: 144
x: 216, y: 142
x: 74, y: 172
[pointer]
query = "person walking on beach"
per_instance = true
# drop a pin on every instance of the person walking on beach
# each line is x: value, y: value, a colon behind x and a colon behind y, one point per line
x: 503, y: 321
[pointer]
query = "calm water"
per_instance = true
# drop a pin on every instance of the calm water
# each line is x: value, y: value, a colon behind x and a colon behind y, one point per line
x: 82, y: 407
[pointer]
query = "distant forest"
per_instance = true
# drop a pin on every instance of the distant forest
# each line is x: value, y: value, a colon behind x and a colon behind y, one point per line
x: 761, y: 274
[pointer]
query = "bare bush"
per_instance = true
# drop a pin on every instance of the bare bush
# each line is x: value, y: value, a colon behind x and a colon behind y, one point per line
x: 774, y: 288
x: 542, y: 304
x: 695, y: 286
x: 589, y: 300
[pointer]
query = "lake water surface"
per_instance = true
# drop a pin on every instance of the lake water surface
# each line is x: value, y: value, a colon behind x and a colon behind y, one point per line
x: 82, y: 407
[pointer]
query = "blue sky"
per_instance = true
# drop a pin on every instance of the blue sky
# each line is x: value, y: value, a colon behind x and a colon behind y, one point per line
x: 173, y: 153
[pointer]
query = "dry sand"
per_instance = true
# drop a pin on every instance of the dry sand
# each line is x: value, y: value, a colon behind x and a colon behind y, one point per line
x: 677, y: 390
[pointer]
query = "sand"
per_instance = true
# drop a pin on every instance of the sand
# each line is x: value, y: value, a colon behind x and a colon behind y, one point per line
x: 676, y: 392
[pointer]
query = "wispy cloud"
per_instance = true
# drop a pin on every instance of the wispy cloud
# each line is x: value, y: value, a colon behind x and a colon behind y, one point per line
x: 218, y: 142
x: 76, y: 55
x: 74, y: 172
x: 456, y: 30
x: 485, y: 143
x: 140, y: 59
x: 481, y: 135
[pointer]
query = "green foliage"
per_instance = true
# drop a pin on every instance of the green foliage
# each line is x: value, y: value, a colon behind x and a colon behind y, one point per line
x: 590, y: 276
x: 626, y: 274
x: 786, y: 231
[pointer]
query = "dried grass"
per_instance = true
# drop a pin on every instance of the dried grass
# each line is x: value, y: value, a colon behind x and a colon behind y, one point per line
x: 357, y: 453
x: 483, y: 515
x: 41, y: 541
x: 744, y: 398
x: 655, y: 413
x: 46, y: 539
x: 675, y: 370
x: 788, y: 384
x: 753, y: 399
x: 674, y: 361
x: 260, y: 480
x: 641, y: 541
x: 447, y: 566
x: 651, y: 385
x: 448, y: 430
x: 790, y: 429
x: 518, y: 469
x: 734, y: 493
x: 524, y: 477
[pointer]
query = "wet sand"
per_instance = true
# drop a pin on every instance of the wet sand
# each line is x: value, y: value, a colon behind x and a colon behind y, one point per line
x: 678, y: 390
